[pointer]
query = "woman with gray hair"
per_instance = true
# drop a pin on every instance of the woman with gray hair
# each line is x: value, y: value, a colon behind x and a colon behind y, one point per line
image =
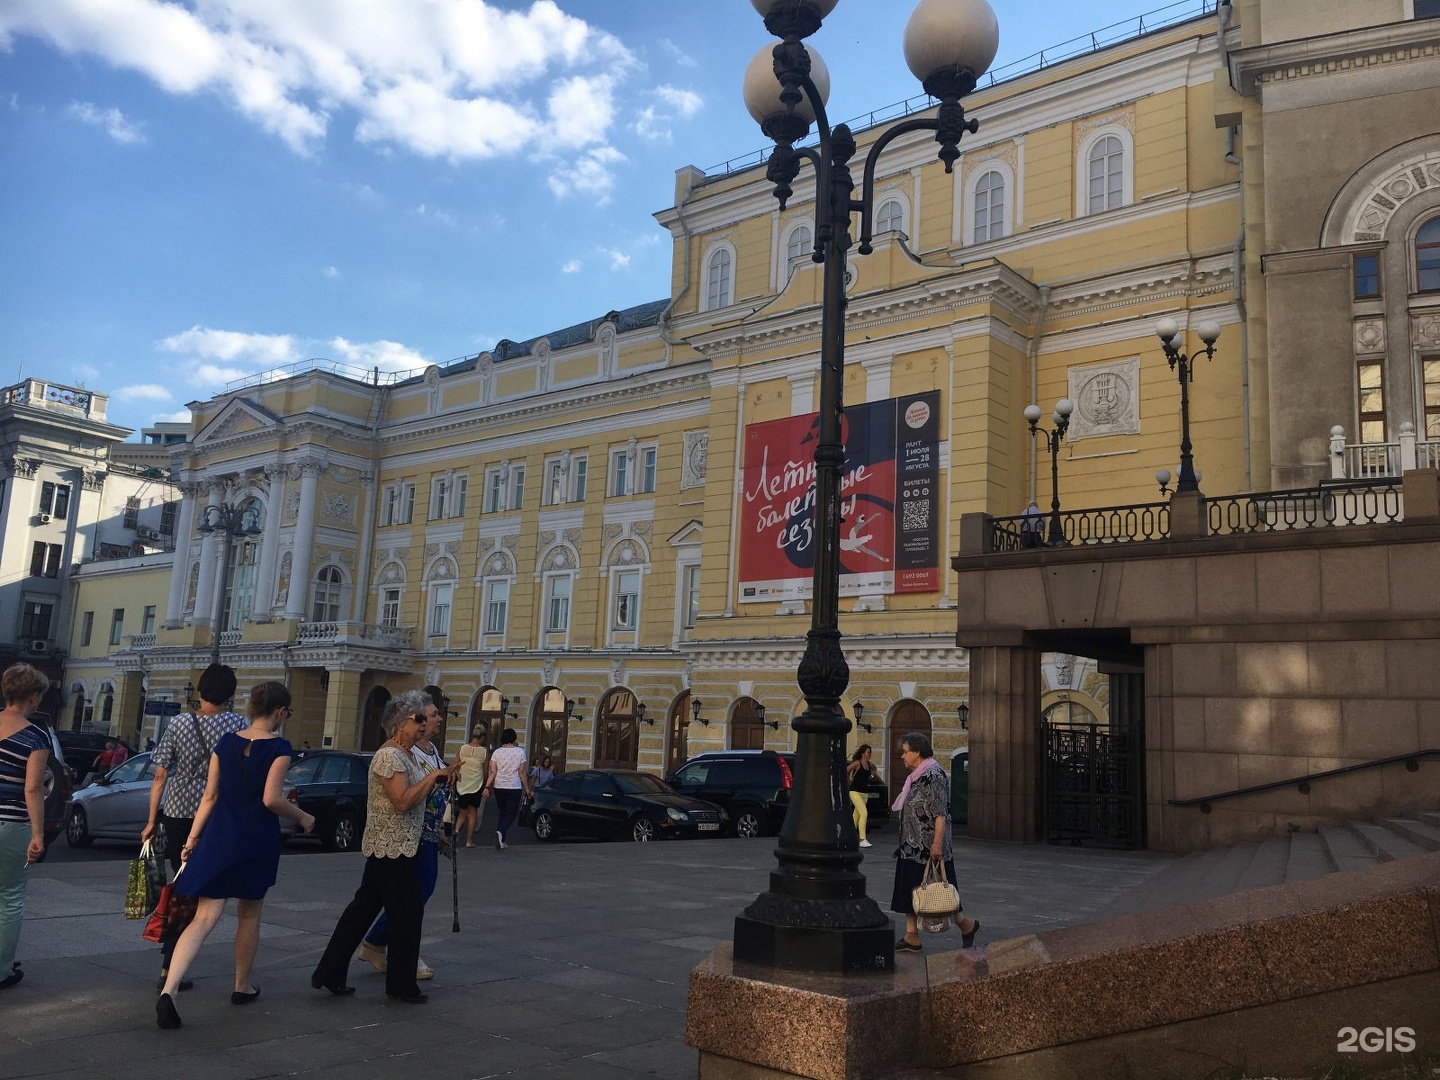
x: 924, y: 807
x: 391, y: 881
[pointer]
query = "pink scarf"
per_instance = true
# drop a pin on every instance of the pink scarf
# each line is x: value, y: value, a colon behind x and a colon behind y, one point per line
x: 926, y: 764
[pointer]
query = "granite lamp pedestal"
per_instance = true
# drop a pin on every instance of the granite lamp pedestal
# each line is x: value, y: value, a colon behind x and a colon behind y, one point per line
x: 802, y: 948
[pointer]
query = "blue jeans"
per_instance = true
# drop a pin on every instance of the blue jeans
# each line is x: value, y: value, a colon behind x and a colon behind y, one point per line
x: 427, y: 866
x: 14, y: 871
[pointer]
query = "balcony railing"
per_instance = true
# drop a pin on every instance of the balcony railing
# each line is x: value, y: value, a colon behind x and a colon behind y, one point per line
x: 1106, y: 525
x: 356, y: 633
x: 140, y: 641
x: 1358, y: 461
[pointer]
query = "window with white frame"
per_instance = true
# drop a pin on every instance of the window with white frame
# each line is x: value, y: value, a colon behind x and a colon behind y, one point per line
x: 495, y: 489
x: 645, y: 481
x: 579, y: 472
x: 399, y: 504
x: 497, y: 603
x: 565, y: 479
x: 440, y: 496
x: 390, y: 607
x: 989, y: 207
x: 325, y: 604
x: 690, y: 579
x: 890, y: 217
x: 620, y: 471
x: 441, y: 596
x: 557, y: 603
x: 719, y: 278
x: 1105, y: 173
x: 555, y: 475
x: 517, y: 486
x: 800, y: 245
x: 626, y: 608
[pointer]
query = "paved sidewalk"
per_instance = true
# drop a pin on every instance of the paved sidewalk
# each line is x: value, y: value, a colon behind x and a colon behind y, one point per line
x: 571, y: 962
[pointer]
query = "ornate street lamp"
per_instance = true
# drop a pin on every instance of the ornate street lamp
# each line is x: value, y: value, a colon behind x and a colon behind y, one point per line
x: 695, y: 710
x: 816, y: 915
x: 1061, y: 419
x: 232, y: 522
x: 1168, y: 331
x: 859, y: 718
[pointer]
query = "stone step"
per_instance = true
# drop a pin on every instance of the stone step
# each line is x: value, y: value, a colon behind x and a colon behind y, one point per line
x: 1346, y: 850
x: 1420, y: 833
x: 1384, y: 844
x: 1267, y: 866
x: 1225, y: 876
x: 1175, y: 884
x: 1427, y: 817
x: 1307, y: 858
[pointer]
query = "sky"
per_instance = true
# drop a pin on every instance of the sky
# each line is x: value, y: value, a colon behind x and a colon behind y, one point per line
x: 195, y: 192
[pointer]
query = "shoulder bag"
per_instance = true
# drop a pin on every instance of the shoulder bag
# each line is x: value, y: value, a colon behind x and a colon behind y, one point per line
x: 935, y: 895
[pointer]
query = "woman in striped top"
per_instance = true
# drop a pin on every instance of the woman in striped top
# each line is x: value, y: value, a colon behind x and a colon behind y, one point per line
x: 24, y: 750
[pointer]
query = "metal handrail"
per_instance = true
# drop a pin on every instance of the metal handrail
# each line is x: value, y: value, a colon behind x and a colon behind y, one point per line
x: 1302, y: 783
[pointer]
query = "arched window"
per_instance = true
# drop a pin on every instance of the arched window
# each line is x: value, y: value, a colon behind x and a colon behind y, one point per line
x: 800, y: 244
x: 329, y: 584
x: 989, y: 207
x: 890, y: 217
x: 1106, y: 175
x: 1427, y: 257
x: 719, y: 283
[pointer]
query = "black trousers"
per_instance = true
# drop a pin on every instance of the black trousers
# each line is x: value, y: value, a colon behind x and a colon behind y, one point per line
x: 177, y: 831
x: 394, y: 885
x: 507, y: 804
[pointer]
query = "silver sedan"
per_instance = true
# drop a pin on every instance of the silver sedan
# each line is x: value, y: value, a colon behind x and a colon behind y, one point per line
x: 115, y: 807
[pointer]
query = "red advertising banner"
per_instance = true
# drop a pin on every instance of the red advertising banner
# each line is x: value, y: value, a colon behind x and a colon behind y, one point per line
x: 889, y: 491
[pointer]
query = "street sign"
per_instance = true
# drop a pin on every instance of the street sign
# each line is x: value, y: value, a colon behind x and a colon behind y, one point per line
x: 162, y: 708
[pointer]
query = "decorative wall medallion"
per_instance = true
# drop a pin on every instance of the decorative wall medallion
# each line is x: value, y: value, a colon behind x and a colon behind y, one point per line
x: 696, y: 455
x: 1369, y: 336
x: 1107, y: 399
x: 392, y: 574
x: 338, y: 509
x: 1426, y: 330
x: 498, y: 565
x: 292, y: 506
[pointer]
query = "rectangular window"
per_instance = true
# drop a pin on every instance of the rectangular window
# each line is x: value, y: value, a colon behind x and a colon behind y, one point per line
x: 1430, y: 367
x: 87, y: 627
x: 627, y: 600
x: 1372, y: 402
x: 55, y: 500
x: 619, y: 472
x: 497, y: 599
x: 554, y: 483
x: 1367, y: 276
x: 45, y: 559
x: 390, y: 607
x: 147, y: 624
x: 494, y: 490
x: 440, y: 609
x: 168, y: 510
x: 579, y: 470
x: 399, y: 506
x: 132, y: 513
x: 517, y: 486
x: 439, y: 491
x: 35, y: 619
x: 1427, y: 9
x: 692, y: 596
x: 557, y: 604
x: 648, y: 458
x: 117, y: 625
x: 462, y: 490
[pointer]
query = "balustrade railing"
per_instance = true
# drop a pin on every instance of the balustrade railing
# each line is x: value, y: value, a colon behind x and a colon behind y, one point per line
x: 1355, y: 502
x: 1104, y: 525
x: 327, y: 633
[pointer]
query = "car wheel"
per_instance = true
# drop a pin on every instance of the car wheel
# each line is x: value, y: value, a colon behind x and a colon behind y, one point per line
x: 642, y: 830
x: 345, y: 833
x: 77, y: 829
x: 544, y: 825
x: 749, y: 824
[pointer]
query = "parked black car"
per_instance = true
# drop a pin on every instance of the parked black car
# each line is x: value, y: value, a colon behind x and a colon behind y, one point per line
x: 752, y: 786
x: 80, y: 749
x: 332, y: 785
x: 620, y: 806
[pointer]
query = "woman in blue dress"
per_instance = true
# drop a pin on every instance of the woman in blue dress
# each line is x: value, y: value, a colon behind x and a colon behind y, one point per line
x: 234, y: 845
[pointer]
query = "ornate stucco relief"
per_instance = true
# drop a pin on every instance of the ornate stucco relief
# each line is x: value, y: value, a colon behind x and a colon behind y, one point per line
x: 1107, y: 399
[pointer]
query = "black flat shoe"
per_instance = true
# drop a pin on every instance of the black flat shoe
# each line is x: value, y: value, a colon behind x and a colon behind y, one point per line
x: 238, y: 997
x: 410, y: 999
x: 966, y: 940
x: 907, y: 946
x: 165, y: 1014
x: 14, y: 977
x: 318, y: 983
x: 185, y: 984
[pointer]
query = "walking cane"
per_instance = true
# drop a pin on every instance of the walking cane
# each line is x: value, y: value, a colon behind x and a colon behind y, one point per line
x: 454, y: 865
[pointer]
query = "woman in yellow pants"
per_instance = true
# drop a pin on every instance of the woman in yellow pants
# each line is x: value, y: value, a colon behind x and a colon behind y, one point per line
x: 861, y: 775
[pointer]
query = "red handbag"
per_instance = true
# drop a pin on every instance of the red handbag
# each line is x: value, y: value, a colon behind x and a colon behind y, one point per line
x: 173, y: 912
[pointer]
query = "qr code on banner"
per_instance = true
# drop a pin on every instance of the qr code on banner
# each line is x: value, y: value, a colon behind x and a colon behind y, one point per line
x: 915, y: 515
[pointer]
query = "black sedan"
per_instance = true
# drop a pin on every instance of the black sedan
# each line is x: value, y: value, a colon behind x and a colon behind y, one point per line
x: 620, y: 806
x: 334, y: 786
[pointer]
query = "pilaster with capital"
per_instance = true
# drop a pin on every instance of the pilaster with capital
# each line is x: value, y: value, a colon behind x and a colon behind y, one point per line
x: 205, y: 588
x: 304, y: 547
x: 274, y: 485
x: 179, y: 573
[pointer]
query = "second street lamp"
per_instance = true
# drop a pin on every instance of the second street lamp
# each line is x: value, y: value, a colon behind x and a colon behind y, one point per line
x: 816, y: 915
x: 232, y: 522
x: 1061, y: 419
x: 1168, y: 330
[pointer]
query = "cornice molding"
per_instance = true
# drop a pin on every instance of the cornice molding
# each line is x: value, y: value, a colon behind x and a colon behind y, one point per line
x: 1331, y: 54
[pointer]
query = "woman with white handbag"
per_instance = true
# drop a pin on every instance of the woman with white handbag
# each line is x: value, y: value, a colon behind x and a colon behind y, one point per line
x: 923, y: 805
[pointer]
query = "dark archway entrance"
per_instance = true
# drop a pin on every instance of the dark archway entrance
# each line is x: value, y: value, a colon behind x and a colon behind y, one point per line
x: 617, y: 731
x: 746, y: 731
x: 550, y: 727
x: 908, y: 716
x: 370, y: 734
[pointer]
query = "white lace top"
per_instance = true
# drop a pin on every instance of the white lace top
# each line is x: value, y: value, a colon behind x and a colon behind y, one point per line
x: 390, y: 834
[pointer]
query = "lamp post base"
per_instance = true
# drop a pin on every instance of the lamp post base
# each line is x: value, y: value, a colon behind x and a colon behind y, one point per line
x: 838, y: 951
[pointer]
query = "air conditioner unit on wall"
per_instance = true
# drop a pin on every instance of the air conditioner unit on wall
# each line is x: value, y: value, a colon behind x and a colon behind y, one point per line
x: 147, y: 534
x: 39, y: 645
x: 44, y: 519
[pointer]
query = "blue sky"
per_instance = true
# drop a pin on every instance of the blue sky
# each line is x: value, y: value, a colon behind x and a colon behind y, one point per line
x: 195, y: 192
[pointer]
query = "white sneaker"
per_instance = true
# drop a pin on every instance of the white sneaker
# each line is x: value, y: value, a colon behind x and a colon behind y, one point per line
x: 866, y: 843
x: 424, y: 971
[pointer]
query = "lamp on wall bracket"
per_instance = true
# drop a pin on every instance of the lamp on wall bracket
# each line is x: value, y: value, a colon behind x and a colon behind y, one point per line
x: 570, y: 709
x: 860, y: 712
x: 189, y: 693
x: 695, y: 704
x: 640, y: 714
x: 773, y: 725
x: 964, y: 713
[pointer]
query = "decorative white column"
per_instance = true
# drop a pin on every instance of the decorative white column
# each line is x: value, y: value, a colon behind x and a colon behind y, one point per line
x: 180, y: 573
x: 304, y: 548
x: 1407, y: 447
x: 1337, y: 453
x: 204, y: 613
x: 269, y: 545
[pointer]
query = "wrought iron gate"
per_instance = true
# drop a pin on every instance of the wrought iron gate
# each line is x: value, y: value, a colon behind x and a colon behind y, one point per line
x: 1093, y: 784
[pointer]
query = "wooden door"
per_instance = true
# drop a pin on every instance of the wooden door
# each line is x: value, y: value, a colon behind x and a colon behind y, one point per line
x: 908, y: 716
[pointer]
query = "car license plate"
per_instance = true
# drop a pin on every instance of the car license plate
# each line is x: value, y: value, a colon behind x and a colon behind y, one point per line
x: 709, y: 826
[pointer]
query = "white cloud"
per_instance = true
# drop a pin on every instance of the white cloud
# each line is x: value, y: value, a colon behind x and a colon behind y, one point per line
x: 112, y: 120
x: 13, y: 101
x: 142, y: 392
x: 203, y: 343
x: 330, y: 272
x: 654, y: 122
x: 573, y: 266
x: 180, y: 416
x: 457, y: 79
x: 651, y: 127
x: 686, y: 102
x: 679, y: 55
x: 618, y: 259
x: 437, y: 214
x: 590, y: 174
x: 386, y: 355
